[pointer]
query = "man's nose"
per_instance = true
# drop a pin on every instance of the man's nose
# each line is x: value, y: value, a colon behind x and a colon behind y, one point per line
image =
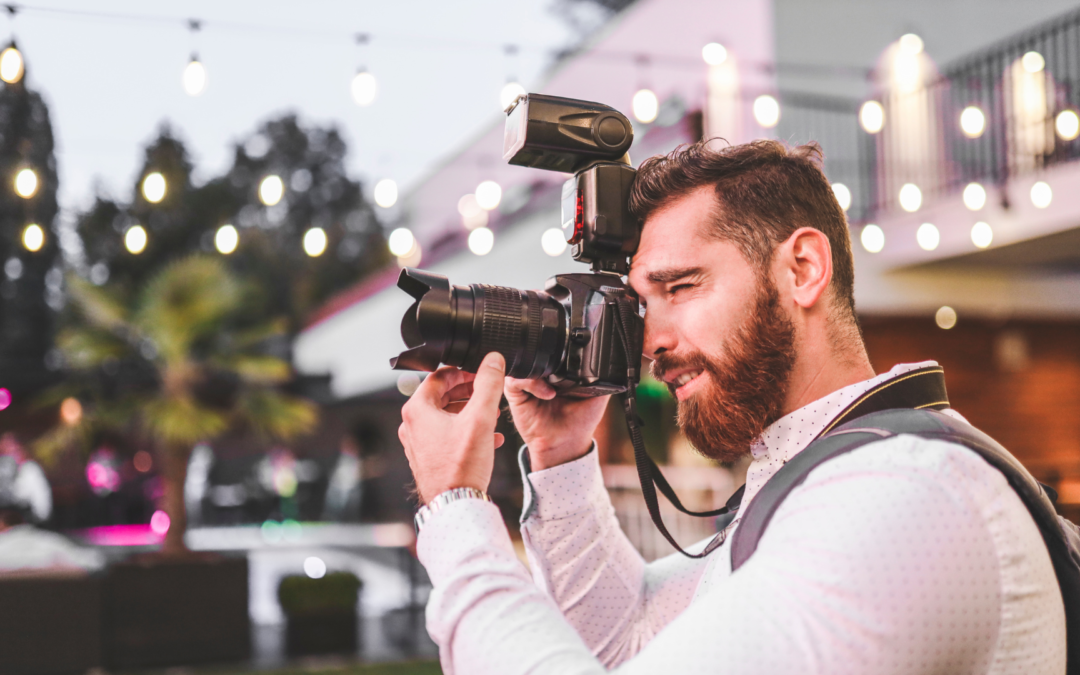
x: 659, y: 335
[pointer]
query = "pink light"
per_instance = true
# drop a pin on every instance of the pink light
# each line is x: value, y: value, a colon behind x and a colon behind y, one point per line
x: 119, y: 535
x: 5, y: 398
x: 97, y: 475
x: 159, y: 523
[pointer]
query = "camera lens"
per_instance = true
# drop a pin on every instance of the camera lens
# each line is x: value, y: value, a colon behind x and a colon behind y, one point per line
x: 460, y: 325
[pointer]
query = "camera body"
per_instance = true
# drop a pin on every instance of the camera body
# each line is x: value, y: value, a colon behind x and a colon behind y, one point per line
x: 583, y: 333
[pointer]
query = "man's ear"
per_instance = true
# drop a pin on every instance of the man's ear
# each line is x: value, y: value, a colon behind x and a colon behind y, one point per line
x: 804, y: 265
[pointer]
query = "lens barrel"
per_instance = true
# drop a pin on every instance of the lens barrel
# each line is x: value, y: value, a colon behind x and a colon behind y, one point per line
x: 460, y: 325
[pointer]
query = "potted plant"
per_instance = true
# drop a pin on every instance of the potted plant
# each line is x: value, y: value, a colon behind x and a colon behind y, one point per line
x: 321, y: 614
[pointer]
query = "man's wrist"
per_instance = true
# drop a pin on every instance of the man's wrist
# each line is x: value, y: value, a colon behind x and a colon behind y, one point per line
x: 546, y: 458
x: 427, y: 511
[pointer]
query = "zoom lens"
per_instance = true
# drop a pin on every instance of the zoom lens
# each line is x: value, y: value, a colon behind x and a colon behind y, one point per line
x: 460, y: 325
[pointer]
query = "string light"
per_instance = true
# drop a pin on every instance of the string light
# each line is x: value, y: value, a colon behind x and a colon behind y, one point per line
x: 488, y: 195
x: 981, y: 234
x: 974, y: 196
x: 872, y: 117
x: 1067, y: 125
x: 135, y: 239
x: 315, y: 242
x: 928, y: 237
x: 153, y: 187
x: 472, y: 214
x: 71, y: 411
x: 401, y: 241
x: 843, y: 195
x: 945, y: 317
x: 12, y: 67
x: 194, y: 77
x: 26, y: 183
x: 553, y: 241
x: 766, y: 111
x: 872, y: 238
x: 481, y: 241
x: 1041, y: 194
x: 714, y: 54
x: 364, y: 88
x: 910, y: 197
x: 33, y: 237
x: 271, y: 190
x: 911, y: 44
x: 386, y: 193
x: 645, y: 105
x: 973, y: 121
x: 226, y: 239
x: 1033, y: 62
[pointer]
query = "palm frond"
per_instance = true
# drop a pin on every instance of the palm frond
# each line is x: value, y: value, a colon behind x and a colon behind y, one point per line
x: 256, y: 368
x: 276, y: 415
x: 89, y: 347
x: 100, y: 307
x: 181, y: 421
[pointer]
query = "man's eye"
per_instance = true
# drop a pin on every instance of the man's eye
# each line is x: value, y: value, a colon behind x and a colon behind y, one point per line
x: 680, y: 287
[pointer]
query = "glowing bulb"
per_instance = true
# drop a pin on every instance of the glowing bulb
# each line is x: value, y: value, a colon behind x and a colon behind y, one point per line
x: 488, y: 195
x: 135, y: 239
x: 408, y: 383
x: 315, y: 242
x: 927, y: 237
x: 472, y: 214
x: 71, y: 411
x: 872, y: 238
x: 11, y: 65
x: 872, y: 117
x: 910, y: 197
x: 401, y: 241
x: 412, y: 258
x: 1041, y: 194
x: 314, y: 567
x: 271, y: 190
x: 153, y: 187
x: 226, y: 239
x: 1033, y: 62
x: 364, y: 88
x: 843, y: 195
x: 26, y: 183
x: 945, y: 317
x: 553, y: 242
x: 510, y: 93
x: 766, y: 111
x: 981, y: 234
x: 714, y: 53
x: 194, y: 78
x: 159, y: 523
x: 1067, y: 125
x: 386, y: 193
x: 5, y: 398
x: 972, y: 121
x: 33, y: 237
x: 911, y: 44
x: 481, y: 241
x: 645, y: 105
x: 974, y: 196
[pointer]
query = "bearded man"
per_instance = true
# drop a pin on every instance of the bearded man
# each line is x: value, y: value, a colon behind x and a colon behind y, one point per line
x: 906, y: 555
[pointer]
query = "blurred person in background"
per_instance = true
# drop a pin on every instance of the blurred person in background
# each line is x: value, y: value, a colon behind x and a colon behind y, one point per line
x: 22, y: 480
x: 25, y: 547
x: 343, y: 490
x: 906, y: 555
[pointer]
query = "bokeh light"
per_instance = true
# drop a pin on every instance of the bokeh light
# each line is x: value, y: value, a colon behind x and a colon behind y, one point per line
x: 26, y: 183
x: 488, y: 195
x: 1067, y: 125
x: 33, y: 237
x: 194, y: 77
x: 71, y: 411
x: 135, y: 239
x: 945, y: 317
x: 872, y: 238
x: 910, y: 197
x: 364, y: 88
x: 271, y: 190
x: 766, y: 111
x: 553, y: 241
x: 982, y: 235
x: 972, y: 121
x: 401, y: 241
x: 386, y: 193
x: 412, y: 258
x: 1041, y: 195
x: 1033, y: 62
x: 911, y: 44
x: 315, y: 242
x: 153, y: 187
x: 472, y: 214
x: 714, y: 53
x: 843, y: 195
x: 510, y: 93
x: 159, y: 523
x: 481, y: 241
x: 226, y: 239
x: 645, y: 105
x: 928, y: 237
x: 872, y: 117
x: 11, y: 65
x: 408, y: 383
x: 5, y: 398
x: 143, y: 461
x: 974, y: 196
x: 314, y: 567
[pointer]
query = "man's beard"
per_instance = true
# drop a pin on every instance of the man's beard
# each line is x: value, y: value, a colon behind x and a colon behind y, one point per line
x: 746, y: 388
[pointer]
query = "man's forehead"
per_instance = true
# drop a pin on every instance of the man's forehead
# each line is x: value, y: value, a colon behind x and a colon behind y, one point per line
x: 674, y: 234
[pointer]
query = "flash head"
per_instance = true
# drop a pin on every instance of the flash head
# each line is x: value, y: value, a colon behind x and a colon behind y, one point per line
x: 564, y: 134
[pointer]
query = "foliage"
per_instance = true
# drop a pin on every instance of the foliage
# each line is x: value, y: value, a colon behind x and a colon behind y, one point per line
x: 336, y: 591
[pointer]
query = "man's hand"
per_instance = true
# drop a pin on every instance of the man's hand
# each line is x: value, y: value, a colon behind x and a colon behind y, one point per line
x: 556, y: 429
x: 448, y: 450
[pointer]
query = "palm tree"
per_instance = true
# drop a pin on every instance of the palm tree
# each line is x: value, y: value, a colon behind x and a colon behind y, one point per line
x: 173, y: 365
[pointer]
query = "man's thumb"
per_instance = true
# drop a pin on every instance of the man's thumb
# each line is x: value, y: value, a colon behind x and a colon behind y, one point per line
x: 488, y: 385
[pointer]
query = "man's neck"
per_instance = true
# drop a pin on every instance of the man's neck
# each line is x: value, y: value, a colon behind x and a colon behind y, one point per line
x: 818, y: 373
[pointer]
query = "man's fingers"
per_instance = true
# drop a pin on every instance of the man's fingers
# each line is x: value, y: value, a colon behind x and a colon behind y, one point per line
x: 435, y: 385
x: 488, y: 386
x: 518, y: 390
x: 499, y: 440
x: 459, y: 393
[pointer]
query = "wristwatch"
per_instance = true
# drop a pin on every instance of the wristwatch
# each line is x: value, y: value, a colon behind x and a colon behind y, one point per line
x: 442, y: 499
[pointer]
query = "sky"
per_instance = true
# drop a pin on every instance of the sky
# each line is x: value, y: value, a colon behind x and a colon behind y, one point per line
x: 111, y: 79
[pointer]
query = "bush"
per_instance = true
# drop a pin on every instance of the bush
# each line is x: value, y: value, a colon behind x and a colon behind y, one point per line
x: 335, y: 592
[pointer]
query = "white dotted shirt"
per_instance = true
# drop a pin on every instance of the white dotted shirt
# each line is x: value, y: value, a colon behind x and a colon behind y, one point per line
x: 904, y: 556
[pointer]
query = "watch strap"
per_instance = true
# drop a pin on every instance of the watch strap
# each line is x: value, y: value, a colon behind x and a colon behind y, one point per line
x: 440, y: 500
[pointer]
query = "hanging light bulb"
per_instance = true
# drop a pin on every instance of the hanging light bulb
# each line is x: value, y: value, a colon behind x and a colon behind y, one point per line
x: 26, y: 183
x: 872, y: 117
x: 510, y: 93
x: 553, y: 241
x: 12, y: 67
x: 135, y: 239
x: 33, y: 237
x: 645, y: 106
x: 1041, y: 194
x: 226, y: 239
x: 194, y: 77
x: 481, y: 241
x: 928, y: 237
x: 364, y: 88
x: 386, y: 193
x: 315, y: 242
x: 910, y: 197
x: 981, y: 234
x: 974, y: 196
x: 271, y: 190
x: 401, y: 242
x: 1067, y: 125
x: 973, y: 121
x: 153, y: 187
x: 488, y: 195
x: 843, y: 195
x: 872, y: 238
x: 714, y: 54
x: 766, y: 111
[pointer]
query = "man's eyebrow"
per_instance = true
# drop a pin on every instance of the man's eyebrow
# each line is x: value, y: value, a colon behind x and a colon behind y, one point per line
x: 674, y: 274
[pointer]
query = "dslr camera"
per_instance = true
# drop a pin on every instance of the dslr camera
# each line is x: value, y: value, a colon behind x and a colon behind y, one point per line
x: 583, y: 333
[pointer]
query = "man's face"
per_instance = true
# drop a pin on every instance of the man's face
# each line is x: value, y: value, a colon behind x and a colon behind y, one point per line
x: 714, y: 328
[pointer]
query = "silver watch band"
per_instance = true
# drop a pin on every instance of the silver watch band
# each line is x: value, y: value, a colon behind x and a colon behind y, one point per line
x: 442, y: 499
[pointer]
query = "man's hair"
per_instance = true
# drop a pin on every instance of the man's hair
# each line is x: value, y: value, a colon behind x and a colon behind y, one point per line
x: 765, y: 190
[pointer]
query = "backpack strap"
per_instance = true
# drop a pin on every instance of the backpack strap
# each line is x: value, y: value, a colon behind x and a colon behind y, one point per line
x: 1058, y: 534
